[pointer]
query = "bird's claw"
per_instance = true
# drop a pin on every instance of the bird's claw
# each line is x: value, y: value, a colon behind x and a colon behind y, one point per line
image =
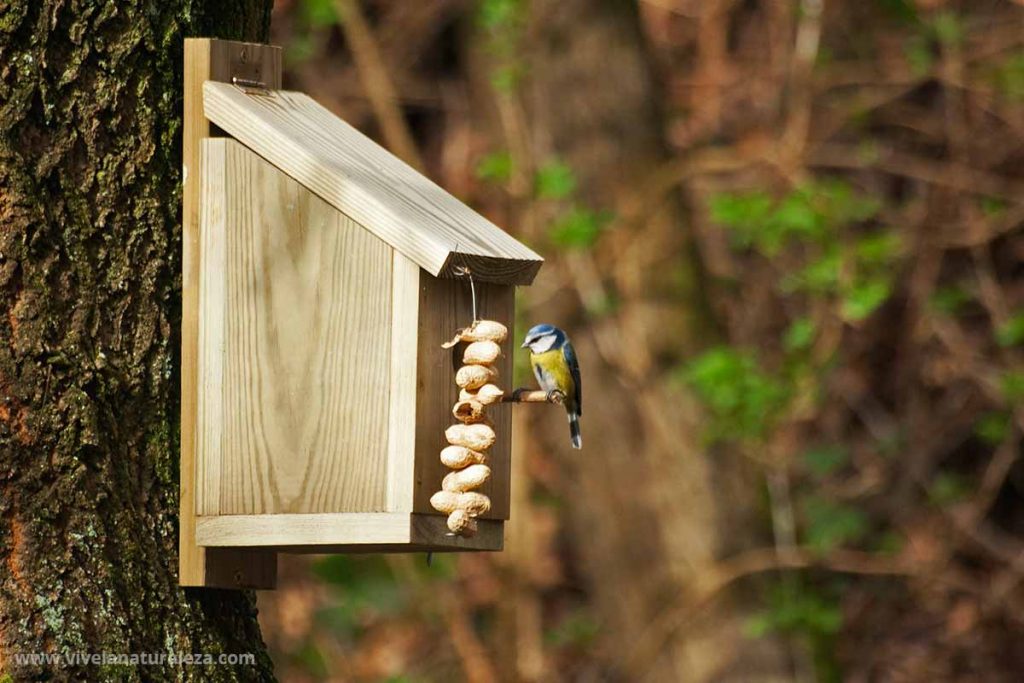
x: 556, y: 396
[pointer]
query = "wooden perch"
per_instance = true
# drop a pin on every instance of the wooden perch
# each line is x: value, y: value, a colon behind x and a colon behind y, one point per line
x: 524, y: 395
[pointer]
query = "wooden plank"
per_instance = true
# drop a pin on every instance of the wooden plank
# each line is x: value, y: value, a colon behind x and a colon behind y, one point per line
x: 343, y: 532
x: 305, y: 310
x: 205, y: 60
x: 432, y: 530
x: 303, y: 529
x: 368, y: 183
x: 240, y: 567
x: 212, y: 325
x: 405, y: 301
x: 391, y: 548
x: 445, y: 306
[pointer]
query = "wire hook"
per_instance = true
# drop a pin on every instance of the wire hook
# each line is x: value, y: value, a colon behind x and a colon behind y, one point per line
x: 464, y: 271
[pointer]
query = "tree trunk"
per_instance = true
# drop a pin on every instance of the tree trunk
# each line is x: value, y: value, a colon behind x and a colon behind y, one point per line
x: 90, y: 244
x: 654, y: 510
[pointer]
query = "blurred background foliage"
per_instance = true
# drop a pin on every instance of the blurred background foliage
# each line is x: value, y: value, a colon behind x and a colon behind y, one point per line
x: 786, y: 239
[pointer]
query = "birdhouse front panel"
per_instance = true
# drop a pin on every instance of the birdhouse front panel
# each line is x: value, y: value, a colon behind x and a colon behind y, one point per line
x: 295, y: 340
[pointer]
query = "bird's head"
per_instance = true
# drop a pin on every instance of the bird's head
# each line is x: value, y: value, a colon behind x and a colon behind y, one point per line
x: 543, y: 338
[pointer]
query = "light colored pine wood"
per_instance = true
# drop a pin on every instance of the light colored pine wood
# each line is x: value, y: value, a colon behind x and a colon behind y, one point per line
x: 296, y: 314
x: 405, y: 301
x: 381, y: 531
x: 212, y: 327
x: 445, y: 306
x: 303, y: 529
x: 217, y: 60
x: 368, y: 183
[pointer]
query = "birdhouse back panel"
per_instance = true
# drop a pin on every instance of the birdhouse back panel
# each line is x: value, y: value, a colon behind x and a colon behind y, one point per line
x: 295, y: 347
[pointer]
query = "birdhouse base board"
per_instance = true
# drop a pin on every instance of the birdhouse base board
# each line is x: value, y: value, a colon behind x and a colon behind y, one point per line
x: 344, y: 532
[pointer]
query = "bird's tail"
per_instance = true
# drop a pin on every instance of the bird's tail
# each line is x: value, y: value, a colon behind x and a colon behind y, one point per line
x: 574, y: 430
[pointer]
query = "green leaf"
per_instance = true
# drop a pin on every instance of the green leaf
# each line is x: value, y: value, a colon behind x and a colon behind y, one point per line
x: 495, y: 14
x: 555, y: 180
x: 841, y: 204
x: 1011, y: 332
x: 796, y: 609
x: 879, y: 249
x: 831, y: 524
x: 864, y: 298
x: 993, y: 427
x: 312, y: 660
x: 992, y: 207
x: 743, y: 400
x: 919, y: 55
x: 1012, y: 386
x: 1010, y: 78
x: 320, y: 13
x: 813, y: 212
x: 948, y: 488
x: 799, y: 335
x: 740, y: 209
x: 889, y: 543
x: 820, y: 276
x: 949, y: 299
x: 759, y: 625
x: 795, y: 215
x: 301, y: 49
x: 825, y: 460
x: 506, y: 79
x: 578, y: 629
x: 948, y: 28
x: 579, y: 228
x: 904, y: 10
x: 495, y: 167
x: 743, y: 214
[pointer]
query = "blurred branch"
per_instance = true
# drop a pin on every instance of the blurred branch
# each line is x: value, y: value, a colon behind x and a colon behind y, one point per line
x: 995, y: 476
x: 471, y: 652
x: 725, y: 573
x: 945, y: 174
x: 377, y: 81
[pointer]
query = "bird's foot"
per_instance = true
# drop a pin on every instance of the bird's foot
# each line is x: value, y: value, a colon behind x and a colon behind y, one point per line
x: 517, y: 394
x: 556, y: 396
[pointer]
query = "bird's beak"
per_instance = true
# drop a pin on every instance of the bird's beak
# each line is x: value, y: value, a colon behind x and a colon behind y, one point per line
x: 525, y: 345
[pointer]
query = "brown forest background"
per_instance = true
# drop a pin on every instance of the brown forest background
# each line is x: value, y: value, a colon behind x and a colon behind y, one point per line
x: 785, y: 238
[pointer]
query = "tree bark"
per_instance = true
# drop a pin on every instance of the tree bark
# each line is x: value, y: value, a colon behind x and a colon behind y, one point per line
x: 90, y: 256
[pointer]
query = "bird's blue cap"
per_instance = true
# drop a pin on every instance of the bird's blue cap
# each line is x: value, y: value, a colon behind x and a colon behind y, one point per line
x: 538, y: 331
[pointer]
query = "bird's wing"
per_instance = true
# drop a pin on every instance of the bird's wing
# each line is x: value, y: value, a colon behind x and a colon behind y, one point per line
x: 574, y: 368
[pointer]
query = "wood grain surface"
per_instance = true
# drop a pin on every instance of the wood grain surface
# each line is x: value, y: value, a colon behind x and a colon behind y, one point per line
x: 206, y: 60
x: 445, y: 306
x: 295, y: 340
x: 405, y: 311
x: 344, y: 532
x: 368, y: 183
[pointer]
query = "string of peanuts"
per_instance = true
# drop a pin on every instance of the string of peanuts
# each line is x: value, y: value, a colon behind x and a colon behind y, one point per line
x: 469, y: 440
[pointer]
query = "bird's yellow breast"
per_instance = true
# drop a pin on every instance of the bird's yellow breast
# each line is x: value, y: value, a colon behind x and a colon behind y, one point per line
x: 553, y: 363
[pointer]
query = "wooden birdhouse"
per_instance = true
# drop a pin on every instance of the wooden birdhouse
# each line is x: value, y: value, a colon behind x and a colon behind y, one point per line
x: 320, y: 280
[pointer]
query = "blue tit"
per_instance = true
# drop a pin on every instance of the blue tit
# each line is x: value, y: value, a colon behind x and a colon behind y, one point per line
x: 556, y: 369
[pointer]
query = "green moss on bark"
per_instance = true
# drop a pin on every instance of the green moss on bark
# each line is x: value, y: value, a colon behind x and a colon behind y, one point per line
x: 90, y: 244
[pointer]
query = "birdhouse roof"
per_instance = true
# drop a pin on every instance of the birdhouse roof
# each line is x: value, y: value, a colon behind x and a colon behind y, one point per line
x: 369, y: 184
